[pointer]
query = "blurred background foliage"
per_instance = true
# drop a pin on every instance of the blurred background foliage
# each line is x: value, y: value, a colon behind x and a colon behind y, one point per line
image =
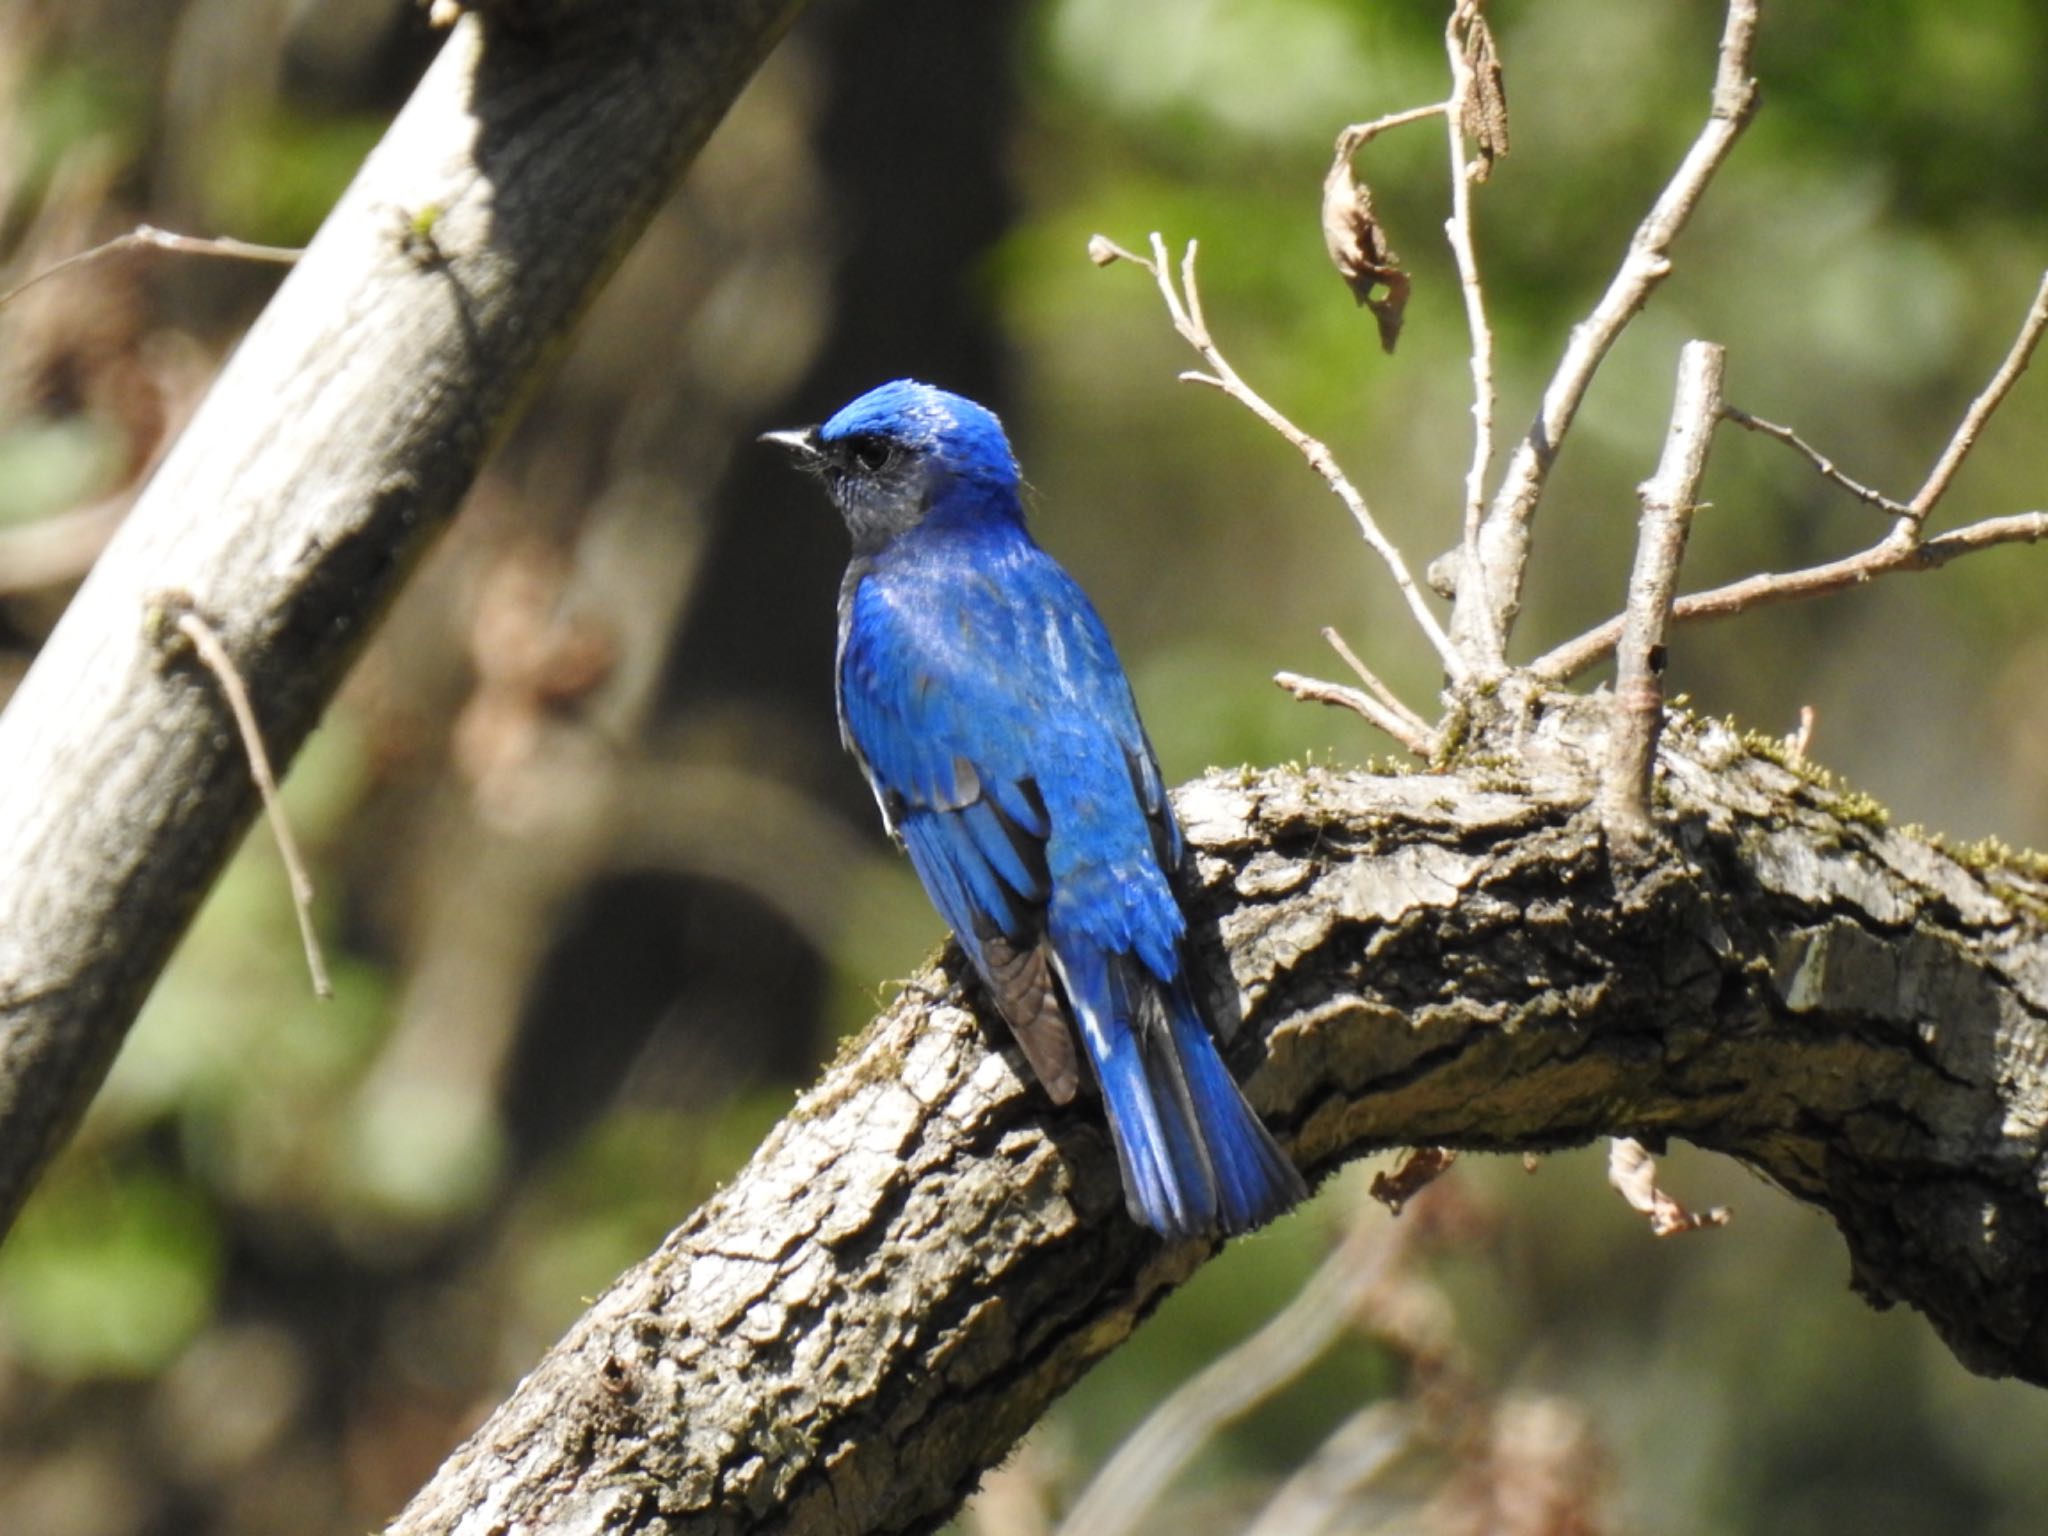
x: 599, y: 888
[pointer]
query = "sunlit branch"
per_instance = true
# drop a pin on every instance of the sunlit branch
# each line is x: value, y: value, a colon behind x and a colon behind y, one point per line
x: 1184, y: 306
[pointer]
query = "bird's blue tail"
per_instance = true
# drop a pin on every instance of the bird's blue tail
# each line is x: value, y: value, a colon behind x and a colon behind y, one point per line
x: 1195, y: 1158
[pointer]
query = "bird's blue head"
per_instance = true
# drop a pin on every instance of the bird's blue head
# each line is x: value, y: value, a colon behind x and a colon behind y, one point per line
x: 902, y: 449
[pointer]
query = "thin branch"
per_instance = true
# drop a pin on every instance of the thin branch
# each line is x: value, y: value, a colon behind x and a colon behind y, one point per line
x: 1960, y: 442
x: 1458, y: 229
x: 1128, y: 1485
x: 214, y: 655
x: 149, y: 237
x: 1315, y: 691
x: 1893, y: 554
x: 1668, y: 497
x: 1184, y: 306
x: 1365, y: 674
x: 1903, y: 549
x: 1819, y: 460
x: 1504, y: 534
x: 2017, y: 356
x: 1358, y: 135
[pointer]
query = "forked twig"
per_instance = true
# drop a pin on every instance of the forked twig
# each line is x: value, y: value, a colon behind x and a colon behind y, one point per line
x: 1504, y: 532
x: 1314, y: 690
x: 1904, y: 548
x: 1379, y: 704
x: 1184, y: 307
x: 2017, y: 356
x: 1960, y: 442
x: 1574, y: 656
x: 149, y: 237
x: 1365, y: 674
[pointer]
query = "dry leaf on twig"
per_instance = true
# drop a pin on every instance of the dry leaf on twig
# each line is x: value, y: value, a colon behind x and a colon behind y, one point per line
x: 1483, y: 113
x: 1358, y: 247
x: 1633, y: 1173
x: 1418, y: 1169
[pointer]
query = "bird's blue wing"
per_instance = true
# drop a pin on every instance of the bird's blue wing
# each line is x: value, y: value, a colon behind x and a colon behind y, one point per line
x: 991, y: 715
x: 950, y: 747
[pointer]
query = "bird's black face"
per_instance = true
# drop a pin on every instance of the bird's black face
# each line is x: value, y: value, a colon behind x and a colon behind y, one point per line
x: 876, y: 479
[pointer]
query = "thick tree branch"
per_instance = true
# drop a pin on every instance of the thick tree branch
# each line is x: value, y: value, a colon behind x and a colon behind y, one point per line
x: 925, y: 1253
x: 337, y: 441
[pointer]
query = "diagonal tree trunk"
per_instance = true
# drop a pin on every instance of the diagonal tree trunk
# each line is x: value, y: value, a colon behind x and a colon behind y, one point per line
x: 925, y: 1254
x: 336, y: 443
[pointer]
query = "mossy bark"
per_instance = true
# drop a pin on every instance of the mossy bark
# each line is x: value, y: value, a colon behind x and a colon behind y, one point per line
x: 926, y: 1252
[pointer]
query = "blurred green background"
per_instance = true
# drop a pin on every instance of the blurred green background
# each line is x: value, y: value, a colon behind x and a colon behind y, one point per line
x: 600, y: 890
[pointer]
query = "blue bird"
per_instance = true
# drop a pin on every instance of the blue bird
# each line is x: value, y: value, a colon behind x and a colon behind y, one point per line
x: 980, y: 694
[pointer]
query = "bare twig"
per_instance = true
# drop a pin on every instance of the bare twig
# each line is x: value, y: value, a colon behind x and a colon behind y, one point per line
x: 1819, y: 460
x: 1504, y: 532
x: 1358, y: 135
x: 1902, y: 549
x: 214, y: 655
x: 1315, y: 691
x: 1129, y: 1483
x: 1184, y: 306
x: 1894, y: 554
x: 149, y: 237
x: 1366, y: 675
x: 1668, y: 497
x: 1960, y: 442
x: 2017, y: 356
x: 1472, y: 577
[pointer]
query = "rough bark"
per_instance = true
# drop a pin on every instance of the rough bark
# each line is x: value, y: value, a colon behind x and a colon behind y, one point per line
x: 925, y: 1253
x: 336, y: 442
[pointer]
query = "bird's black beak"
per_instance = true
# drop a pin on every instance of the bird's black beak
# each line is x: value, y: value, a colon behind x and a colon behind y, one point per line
x: 802, y: 443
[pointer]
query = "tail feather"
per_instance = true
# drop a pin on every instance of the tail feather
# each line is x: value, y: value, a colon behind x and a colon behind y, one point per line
x: 1195, y: 1159
x: 1255, y: 1180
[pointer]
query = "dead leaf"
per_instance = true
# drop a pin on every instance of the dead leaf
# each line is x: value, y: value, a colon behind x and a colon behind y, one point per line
x: 1359, y: 250
x: 1483, y: 113
x: 1418, y: 1169
x: 1633, y: 1173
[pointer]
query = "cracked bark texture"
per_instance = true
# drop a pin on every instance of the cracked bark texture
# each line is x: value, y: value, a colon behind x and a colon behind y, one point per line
x: 925, y: 1252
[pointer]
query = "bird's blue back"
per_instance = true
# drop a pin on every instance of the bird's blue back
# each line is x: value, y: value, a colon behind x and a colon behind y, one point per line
x: 974, y: 646
x: 985, y: 702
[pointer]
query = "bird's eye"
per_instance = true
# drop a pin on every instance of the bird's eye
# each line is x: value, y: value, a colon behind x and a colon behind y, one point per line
x: 872, y: 454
